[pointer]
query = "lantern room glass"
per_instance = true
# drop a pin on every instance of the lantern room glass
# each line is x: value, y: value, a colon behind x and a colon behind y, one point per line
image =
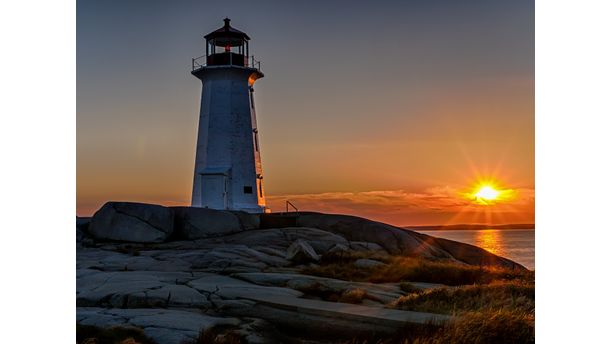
x: 227, y: 51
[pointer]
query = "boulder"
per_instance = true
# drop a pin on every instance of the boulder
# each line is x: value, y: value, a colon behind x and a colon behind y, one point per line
x: 132, y: 222
x: 397, y: 240
x: 200, y: 223
x: 301, y: 252
x: 393, y: 239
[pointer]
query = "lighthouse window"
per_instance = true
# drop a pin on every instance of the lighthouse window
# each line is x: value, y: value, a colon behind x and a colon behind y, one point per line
x: 248, y: 189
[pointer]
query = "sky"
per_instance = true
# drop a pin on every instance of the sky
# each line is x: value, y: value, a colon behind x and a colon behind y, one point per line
x: 389, y: 110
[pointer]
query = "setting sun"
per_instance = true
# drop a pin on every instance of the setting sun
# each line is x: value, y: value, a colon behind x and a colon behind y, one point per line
x: 487, y: 192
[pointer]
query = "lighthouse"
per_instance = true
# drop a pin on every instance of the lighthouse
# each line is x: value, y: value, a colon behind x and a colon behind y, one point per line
x: 228, y: 173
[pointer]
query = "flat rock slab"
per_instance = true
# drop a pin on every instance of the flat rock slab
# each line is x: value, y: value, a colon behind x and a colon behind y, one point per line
x: 352, y: 312
x: 230, y: 288
x: 334, y: 318
x: 136, y: 289
x: 164, y: 325
x: 385, y: 292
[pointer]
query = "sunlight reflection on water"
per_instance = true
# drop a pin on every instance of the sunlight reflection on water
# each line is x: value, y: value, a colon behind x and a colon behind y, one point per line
x: 515, y: 244
x: 489, y: 240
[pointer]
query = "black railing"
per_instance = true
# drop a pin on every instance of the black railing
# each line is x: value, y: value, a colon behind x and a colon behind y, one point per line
x: 224, y: 59
x: 288, y: 204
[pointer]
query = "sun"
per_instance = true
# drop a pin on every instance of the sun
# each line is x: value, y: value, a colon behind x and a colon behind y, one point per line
x: 487, y: 192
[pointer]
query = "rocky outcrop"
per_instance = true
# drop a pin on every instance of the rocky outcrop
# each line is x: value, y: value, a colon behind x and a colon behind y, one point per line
x: 164, y: 325
x: 280, y: 238
x: 470, y: 254
x: 401, y: 241
x: 147, y: 223
x: 176, y: 271
x: 394, y: 240
x: 383, y: 293
x: 132, y: 222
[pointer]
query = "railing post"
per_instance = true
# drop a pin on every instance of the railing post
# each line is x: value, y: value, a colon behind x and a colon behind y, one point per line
x: 287, y: 204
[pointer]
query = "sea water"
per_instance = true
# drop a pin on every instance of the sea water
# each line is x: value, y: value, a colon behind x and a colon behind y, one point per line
x: 515, y: 244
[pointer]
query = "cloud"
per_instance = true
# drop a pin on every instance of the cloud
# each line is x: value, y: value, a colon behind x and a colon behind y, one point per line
x: 430, y: 206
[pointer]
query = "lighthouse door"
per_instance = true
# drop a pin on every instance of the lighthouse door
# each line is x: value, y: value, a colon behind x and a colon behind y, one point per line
x: 214, y: 191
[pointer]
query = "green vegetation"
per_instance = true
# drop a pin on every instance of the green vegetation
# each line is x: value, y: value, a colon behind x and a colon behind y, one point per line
x: 113, y: 335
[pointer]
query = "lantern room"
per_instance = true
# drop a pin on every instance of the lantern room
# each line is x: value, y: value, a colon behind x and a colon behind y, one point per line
x: 227, y: 46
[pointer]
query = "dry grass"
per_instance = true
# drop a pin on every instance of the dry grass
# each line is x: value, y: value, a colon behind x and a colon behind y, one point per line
x: 499, y: 312
x: 399, y: 269
x: 499, y: 327
x: 113, y: 335
x: 444, y: 272
x: 492, y: 327
x: 491, y: 305
x: 504, y: 295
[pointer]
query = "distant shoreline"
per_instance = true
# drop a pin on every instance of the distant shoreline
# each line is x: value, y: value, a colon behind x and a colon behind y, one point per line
x: 462, y: 227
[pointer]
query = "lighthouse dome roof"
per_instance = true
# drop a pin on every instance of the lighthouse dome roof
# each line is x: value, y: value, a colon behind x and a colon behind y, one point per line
x: 227, y: 35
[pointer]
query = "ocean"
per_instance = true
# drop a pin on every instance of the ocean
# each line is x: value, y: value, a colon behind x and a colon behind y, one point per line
x: 515, y: 244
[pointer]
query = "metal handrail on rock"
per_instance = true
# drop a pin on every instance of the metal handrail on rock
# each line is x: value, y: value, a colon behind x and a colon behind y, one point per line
x: 287, y: 204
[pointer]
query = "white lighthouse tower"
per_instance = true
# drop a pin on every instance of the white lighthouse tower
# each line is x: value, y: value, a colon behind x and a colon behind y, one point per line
x: 228, y: 173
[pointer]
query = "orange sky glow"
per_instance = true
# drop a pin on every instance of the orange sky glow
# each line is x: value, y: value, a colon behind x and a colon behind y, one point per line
x: 351, y: 119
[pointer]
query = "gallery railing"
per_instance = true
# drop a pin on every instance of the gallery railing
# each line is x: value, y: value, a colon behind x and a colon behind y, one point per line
x: 225, y: 59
